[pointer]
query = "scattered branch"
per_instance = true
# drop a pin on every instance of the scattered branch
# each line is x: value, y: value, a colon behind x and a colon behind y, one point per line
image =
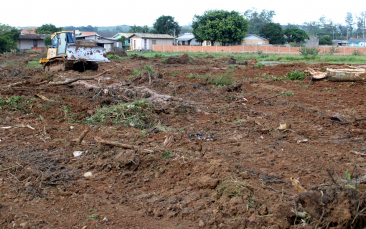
x: 76, y: 79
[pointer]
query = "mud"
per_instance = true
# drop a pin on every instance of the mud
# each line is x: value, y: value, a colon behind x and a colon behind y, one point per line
x: 211, y: 157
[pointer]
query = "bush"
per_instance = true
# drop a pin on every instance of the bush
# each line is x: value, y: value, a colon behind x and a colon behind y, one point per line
x: 139, y: 114
x: 333, y: 50
x: 296, y: 75
x: 114, y: 57
x: 356, y: 53
x: 222, y: 80
x: 312, y: 52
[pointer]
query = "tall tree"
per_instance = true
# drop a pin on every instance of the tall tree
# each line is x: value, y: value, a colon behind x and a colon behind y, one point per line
x: 361, y: 24
x: 273, y: 32
x: 257, y: 20
x: 135, y: 29
x: 325, y: 40
x: 295, y: 35
x: 47, y: 29
x: 166, y: 25
x: 8, y: 38
x: 220, y: 26
x: 350, y: 23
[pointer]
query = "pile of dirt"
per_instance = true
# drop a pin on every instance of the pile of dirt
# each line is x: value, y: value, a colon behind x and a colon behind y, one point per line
x: 118, y: 53
x: 184, y: 59
x: 137, y: 57
x: 339, y: 207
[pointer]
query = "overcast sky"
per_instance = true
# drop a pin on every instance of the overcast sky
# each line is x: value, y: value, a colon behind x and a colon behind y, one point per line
x: 145, y: 12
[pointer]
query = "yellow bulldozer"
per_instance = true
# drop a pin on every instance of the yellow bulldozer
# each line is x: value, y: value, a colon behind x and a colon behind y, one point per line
x: 65, y: 53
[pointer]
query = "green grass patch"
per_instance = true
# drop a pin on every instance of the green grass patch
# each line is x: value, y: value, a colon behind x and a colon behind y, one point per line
x: 296, y: 75
x: 222, y: 80
x: 138, y: 114
x: 114, y: 57
x: 33, y: 64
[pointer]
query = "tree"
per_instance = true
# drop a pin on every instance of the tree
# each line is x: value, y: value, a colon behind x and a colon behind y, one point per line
x: 361, y: 24
x: 220, y: 26
x: 273, y: 32
x: 145, y: 29
x: 135, y: 29
x: 122, y: 39
x: 47, y: 41
x: 258, y: 20
x: 166, y: 25
x: 8, y: 38
x: 47, y: 29
x: 325, y: 40
x: 295, y: 35
x: 349, y: 22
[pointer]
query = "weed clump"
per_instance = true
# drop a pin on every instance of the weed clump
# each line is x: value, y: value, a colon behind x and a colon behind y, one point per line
x: 222, y: 80
x: 296, y: 75
x: 309, y: 52
x: 138, y: 114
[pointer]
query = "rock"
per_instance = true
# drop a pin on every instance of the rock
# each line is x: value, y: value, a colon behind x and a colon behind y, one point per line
x: 201, y: 223
x: 263, y: 210
x: 252, y: 218
x: 208, y: 182
x: 78, y: 153
x: 23, y: 224
x: 124, y: 157
x: 244, y: 175
x: 88, y: 174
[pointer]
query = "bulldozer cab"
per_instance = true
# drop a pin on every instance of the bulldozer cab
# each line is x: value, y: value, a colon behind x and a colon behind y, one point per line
x: 60, y: 41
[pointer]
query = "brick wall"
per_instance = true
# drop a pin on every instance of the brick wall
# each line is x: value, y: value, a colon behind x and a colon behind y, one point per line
x: 250, y: 49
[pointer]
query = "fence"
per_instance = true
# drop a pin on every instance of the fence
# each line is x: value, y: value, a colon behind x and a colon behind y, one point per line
x: 270, y: 49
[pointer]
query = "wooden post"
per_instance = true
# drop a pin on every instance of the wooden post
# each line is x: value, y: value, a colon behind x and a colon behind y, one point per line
x: 289, y: 50
x: 278, y: 49
x: 230, y: 49
x: 163, y: 48
x: 256, y: 47
x: 216, y: 48
x: 266, y: 49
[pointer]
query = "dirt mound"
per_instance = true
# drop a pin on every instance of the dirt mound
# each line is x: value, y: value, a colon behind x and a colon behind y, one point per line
x: 177, y: 60
x: 137, y: 57
x: 333, y: 206
x: 118, y: 53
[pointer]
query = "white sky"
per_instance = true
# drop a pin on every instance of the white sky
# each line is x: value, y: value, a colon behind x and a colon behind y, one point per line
x: 145, y: 12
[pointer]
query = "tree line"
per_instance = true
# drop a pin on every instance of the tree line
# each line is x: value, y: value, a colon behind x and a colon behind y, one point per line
x: 224, y: 27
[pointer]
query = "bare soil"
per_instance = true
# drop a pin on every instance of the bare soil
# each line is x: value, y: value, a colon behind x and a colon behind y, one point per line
x: 214, y: 157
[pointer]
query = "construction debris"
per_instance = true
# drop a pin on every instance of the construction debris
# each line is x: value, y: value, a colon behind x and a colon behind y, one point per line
x: 339, y: 75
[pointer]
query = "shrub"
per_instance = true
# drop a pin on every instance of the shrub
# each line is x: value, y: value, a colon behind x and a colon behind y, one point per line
x: 139, y: 114
x: 356, y: 53
x: 312, y: 52
x: 333, y: 50
x: 296, y: 75
x: 222, y: 80
x: 114, y: 57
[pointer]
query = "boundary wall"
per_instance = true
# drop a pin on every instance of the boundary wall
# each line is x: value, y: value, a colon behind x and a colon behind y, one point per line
x: 270, y: 49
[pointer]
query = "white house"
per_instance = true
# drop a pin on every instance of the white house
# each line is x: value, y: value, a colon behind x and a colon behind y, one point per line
x: 31, y: 41
x: 187, y: 39
x: 145, y: 41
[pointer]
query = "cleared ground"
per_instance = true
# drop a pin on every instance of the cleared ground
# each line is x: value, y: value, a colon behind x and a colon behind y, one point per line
x: 200, y: 145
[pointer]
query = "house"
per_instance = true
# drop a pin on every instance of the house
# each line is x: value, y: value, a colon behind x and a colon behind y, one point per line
x: 187, y: 39
x: 361, y: 42
x: 252, y: 39
x: 126, y: 35
x: 106, y: 34
x: 145, y: 41
x: 29, y: 30
x: 340, y: 42
x: 31, y: 42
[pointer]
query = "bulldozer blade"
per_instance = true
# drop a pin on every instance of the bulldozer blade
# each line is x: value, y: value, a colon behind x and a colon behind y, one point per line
x: 80, y: 53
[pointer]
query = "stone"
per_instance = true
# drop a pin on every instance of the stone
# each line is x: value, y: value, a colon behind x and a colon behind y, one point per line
x: 88, y: 174
x: 201, y: 223
x: 244, y: 175
x: 208, y: 182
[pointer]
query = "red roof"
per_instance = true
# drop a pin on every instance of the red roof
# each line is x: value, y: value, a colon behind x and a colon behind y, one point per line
x: 29, y: 30
x: 87, y: 33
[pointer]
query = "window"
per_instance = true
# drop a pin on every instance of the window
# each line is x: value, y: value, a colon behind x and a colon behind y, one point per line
x: 154, y: 42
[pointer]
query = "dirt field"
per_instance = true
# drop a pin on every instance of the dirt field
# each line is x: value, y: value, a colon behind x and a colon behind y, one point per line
x: 197, y: 154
